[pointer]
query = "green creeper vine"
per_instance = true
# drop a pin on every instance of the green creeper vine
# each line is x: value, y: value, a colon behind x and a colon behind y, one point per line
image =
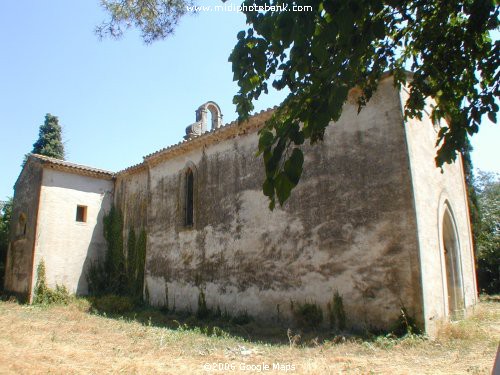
x: 119, y: 273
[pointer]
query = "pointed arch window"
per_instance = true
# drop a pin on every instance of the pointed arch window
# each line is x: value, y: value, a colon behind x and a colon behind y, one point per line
x: 22, y: 225
x: 189, y: 196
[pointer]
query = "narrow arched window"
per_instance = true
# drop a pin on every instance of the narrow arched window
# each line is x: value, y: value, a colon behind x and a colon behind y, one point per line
x: 189, y: 218
x: 22, y: 225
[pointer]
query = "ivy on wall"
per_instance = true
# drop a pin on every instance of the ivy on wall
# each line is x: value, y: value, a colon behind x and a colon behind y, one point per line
x: 121, y: 273
x: 136, y: 256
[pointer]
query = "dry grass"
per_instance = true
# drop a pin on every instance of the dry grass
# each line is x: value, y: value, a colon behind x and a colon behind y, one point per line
x: 69, y: 340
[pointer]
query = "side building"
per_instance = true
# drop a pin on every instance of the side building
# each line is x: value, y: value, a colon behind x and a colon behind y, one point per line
x: 56, y: 217
x: 372, y: 219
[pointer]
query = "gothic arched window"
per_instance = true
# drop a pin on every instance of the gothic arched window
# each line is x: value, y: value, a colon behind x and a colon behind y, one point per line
x: 189, y: 216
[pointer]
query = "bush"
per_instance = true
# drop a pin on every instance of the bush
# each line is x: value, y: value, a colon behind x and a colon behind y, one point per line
x: 336, y: 312
x: 203, y: 311
x: 307, y: 315
x: 97, y: 280
x: 45, y: 295
x: 112, y: 304
x: 405, y: 324
x: 241, y: 319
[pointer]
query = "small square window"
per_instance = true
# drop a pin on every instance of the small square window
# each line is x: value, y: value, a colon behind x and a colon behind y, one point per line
x: 81, y: 214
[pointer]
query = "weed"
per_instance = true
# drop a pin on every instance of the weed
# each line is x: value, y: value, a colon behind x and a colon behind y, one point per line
x: 405, y: 324
x: 460, y: 331
x: 203, y: 312
x: 336, y: 312
x: 45, y: 295
x: 293, y: 339
x: 241, y: 319
x: 307, y: 315
x: 218, y: 312
x: 112, y: 304
x: 96, y: 277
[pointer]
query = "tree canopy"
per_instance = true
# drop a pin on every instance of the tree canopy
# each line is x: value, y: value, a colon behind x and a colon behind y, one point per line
x: 488, y: 239
x: 5, y: 218
x: 49, y: 141
x: 319, y: 55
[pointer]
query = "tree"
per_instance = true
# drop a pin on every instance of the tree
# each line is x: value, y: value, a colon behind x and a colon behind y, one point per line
x: 331, y: 46
x: 156, y: 19
x: 5, y: 218
x: 49, y: 141
x: 474, y: 211
x: 488, y: 240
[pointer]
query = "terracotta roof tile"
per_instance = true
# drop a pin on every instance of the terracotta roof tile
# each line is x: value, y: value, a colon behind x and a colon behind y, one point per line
x: 208, y: 133
x: 78, y: 168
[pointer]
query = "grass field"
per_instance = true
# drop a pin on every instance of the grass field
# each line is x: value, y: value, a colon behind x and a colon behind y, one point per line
x: 70, y: 340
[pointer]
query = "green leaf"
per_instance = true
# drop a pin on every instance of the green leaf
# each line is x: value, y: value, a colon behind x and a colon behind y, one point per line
x: 293, y: 166
x: 266, y: 140
x: 379, y: 28
x: 493, y: 117
x: 283, y: 188
x: 254, y: 80
x: 268, y: 188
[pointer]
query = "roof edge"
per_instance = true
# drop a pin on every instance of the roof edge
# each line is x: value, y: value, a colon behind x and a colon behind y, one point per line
x: 71, y: 167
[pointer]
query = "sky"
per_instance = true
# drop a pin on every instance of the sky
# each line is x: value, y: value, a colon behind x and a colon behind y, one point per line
x: 118, y: 101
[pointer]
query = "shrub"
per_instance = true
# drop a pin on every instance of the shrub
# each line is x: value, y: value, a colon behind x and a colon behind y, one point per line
x: 405, y: 324
x: 45, y: 295
x: 308, y: 315
x: 119, y: 274
x: 336, y: 312
x: 203, y: 311
x: 112, y: 304
x: 241, y: 319
x: 97, y: 279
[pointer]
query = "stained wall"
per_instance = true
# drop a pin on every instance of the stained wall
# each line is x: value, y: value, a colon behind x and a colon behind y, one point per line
x: 19, y: 265
x: 349, y: 226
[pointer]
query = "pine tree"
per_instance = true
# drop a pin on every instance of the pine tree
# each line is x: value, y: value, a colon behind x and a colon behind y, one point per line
x: 49, y: 141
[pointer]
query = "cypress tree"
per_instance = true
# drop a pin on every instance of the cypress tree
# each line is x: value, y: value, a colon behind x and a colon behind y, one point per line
x: 49, y: 141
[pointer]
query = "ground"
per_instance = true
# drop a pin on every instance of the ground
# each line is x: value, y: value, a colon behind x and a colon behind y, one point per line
x: 71, y: 340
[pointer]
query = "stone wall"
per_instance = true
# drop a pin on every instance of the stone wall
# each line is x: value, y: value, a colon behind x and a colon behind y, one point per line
x: 131, y: 197
x: 19, y: 266
x: 349, y: 225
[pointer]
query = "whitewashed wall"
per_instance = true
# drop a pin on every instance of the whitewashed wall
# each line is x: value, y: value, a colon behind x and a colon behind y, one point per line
x: 65, y: 245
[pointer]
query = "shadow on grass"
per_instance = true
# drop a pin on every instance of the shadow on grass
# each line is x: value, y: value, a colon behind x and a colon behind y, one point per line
x: 210, y: 323
x: 221, y: 324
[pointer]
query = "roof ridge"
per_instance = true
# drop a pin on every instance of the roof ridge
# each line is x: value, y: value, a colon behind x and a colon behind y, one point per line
x: 233, y: 123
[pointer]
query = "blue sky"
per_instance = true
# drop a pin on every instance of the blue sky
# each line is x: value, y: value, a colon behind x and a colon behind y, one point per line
x: 120, y: 100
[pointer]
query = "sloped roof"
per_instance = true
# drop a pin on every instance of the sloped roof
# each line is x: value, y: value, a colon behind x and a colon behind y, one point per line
x: 47, y: 161
x: 227, y: 131
x: 224, y: 132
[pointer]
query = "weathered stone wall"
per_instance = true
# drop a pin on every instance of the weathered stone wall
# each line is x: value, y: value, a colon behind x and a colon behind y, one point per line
x: 19, y: 266
x: 66, y: 245
x: 131, y: 197
x: 433, y: 191
x: 349, y: 225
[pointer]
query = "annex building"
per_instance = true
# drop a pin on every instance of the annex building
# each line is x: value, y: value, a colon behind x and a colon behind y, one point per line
x: 372, y: 218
